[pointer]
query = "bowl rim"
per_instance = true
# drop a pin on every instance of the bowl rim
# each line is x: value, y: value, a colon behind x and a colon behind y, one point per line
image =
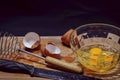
x: 105, y: 24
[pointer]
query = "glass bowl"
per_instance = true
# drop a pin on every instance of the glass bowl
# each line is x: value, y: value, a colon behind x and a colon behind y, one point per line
x: 97, y: 46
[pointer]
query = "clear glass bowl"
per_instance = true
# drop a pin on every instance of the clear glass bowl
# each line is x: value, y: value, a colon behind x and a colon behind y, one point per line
x: 97, y: 46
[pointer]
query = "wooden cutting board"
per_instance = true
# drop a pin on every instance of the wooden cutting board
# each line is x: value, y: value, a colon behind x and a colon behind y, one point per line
x: 66, y: 53
x: 36, y: 62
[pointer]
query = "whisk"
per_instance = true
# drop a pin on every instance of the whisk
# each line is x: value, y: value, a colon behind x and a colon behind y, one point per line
x: 10, y: 48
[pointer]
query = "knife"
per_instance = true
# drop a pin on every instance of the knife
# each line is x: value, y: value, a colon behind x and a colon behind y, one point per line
x: 13, y: 66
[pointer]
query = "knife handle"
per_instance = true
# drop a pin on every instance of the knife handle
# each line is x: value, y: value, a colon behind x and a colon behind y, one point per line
x: 64, y: 65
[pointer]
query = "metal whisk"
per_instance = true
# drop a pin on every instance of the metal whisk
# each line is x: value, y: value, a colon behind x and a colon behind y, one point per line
x: 9, y: 45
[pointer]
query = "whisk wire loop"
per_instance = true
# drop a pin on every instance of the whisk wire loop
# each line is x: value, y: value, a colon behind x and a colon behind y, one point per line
x: 8, y: 45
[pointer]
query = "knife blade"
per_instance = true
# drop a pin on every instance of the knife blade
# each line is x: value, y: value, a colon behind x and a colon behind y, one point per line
x: 13, y: 66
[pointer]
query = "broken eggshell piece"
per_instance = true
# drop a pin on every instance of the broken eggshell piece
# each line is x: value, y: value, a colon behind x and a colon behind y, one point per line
x: 31, y: 40
x: 52, y: 50
x: 66, y: 37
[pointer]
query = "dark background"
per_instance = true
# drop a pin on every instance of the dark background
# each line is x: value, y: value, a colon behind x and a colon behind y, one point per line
x: 55, y: 17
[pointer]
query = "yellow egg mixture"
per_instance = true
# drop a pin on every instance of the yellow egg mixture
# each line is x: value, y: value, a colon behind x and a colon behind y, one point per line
x: 97, y: 59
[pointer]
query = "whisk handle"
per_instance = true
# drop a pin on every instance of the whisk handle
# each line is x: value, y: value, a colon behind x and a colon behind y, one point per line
x: 64, y: 65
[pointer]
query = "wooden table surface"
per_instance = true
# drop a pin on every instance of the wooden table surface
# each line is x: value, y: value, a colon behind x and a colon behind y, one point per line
x: 65, y: 51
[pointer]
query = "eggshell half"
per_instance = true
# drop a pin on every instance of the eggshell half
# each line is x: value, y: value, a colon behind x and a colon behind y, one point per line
x: 31, y: 40
x: 52, y: 50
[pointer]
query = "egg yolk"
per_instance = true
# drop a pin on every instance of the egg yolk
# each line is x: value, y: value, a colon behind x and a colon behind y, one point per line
x: 95, y: 51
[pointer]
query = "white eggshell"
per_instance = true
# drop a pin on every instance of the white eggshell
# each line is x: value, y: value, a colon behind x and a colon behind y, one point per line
x: 53, y: 49
x: 30, y: 39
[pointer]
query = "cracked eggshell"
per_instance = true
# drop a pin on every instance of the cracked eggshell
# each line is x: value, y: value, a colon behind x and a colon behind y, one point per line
x: 66, y: 37
x: 31, y: 40
x: 52, y: 50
